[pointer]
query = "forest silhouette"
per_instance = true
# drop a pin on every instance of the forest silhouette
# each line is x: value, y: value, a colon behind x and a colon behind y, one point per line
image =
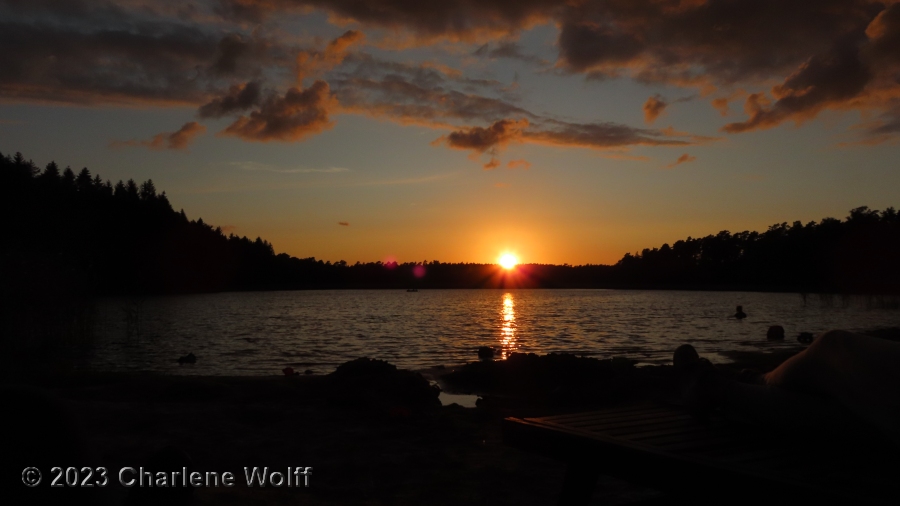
x: 75, y: 236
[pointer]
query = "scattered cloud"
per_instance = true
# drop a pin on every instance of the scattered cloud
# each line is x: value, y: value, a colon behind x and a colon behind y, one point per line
x: 518, y: 164
x: 501, y: 185
x: 685, y: 158
x: 827, y: 80
x: 653, y: 107
x: 479, y: 139
x: 344, y: 223
x: 314, y: 63
x: 293, y: 117
x: 179, y: 139
x: 217, y: 54
x: 492, y: 164
x: 239, y: 97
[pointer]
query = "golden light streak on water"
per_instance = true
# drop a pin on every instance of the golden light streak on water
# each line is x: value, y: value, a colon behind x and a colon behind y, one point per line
x: 508, y: 326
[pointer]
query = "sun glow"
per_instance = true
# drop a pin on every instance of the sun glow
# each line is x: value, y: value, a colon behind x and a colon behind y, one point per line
x: 508, y: 261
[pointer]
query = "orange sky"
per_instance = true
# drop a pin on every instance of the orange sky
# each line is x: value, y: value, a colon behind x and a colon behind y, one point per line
x: 456, y: 131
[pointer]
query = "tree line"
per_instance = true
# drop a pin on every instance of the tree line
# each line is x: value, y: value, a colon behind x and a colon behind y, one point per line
x: 75, y: 235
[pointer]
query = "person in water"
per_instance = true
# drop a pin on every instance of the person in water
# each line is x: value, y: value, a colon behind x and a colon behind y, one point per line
x: 739, y: 313
x: 838, y: 380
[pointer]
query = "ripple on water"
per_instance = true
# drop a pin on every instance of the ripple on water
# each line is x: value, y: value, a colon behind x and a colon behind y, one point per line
x: 327, y: 328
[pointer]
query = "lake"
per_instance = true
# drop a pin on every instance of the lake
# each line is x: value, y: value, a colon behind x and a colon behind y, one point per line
x: 259, y: 333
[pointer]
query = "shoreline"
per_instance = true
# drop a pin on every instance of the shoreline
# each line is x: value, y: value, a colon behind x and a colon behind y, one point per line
x: 373, y: 434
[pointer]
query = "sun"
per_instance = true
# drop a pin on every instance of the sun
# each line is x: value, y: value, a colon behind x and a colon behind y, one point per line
x: 508, y: 260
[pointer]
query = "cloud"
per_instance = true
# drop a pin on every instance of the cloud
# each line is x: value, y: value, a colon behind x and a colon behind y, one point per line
x: 608, y: 135
x: 344, y: 223
x: 685, y: 158
x: 492, y: 164
x: 721, y: 105
x: 507, y: 49
x: 239, y: 97
x: 825, y: 54
x: 400, y: 99
x: 293, y: 117
x: 825, y: 80
x: 518, y: 164
x: 455, y: 20
x: 228, y: 228
x: 653, y: 107
x: 479, y: 139
x: 240, y: 55
x: 722, y: 42
x: 312, y: 63
x: 179, y: 139
x: 152, y: 63
x: 429, y: 102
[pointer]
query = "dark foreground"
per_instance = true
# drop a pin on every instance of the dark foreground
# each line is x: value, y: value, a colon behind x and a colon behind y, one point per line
x: 372, y: 435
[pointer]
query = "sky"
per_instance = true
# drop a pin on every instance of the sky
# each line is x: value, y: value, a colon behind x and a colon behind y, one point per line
x: 457, y: 130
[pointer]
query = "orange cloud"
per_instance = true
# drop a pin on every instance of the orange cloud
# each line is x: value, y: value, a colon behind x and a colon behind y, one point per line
x: 685, y: 158
x: 653, y: 107
x: 293, y: 117
x: 518, y: 164
x: 344, y: 223
x: 311, y: 63
x: 492, y: 164
x: 721, y: 105
x: 179, y: 139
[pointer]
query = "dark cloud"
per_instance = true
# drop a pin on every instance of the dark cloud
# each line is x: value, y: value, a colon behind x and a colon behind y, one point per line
x: 454, y: 19
x: 507, y: 49
x: 239, y: 97
x: 607, y: 135
x: 724, y: 41
x: 156, y: 63
x: 497, y: 136
x: 135, y: 52
x: 685, y: 158
x: 313, y: 63
x: 179, y: 139
x: 823, y: 81
x: 827, y: 54
x: 240, y: 55
x: 293, y: 117
x: 479, y: 139
x: 344, y: 223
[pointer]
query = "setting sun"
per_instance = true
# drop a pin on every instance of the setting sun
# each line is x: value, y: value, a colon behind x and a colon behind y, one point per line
x: 508, y: 261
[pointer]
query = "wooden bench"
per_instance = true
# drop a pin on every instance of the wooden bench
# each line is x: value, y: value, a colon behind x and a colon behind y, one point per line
x: 712, y: 461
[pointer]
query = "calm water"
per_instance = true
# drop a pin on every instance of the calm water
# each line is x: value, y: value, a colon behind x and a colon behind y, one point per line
x: 260, y: 333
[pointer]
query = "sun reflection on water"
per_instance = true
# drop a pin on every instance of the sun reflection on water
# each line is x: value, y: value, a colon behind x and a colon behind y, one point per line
x: 508, y: 326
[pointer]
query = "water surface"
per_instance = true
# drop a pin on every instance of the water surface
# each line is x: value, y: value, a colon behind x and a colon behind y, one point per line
x: 259, y: 333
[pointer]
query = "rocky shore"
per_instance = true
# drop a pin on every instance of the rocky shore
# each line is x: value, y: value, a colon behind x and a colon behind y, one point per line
x: 371, y: 433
